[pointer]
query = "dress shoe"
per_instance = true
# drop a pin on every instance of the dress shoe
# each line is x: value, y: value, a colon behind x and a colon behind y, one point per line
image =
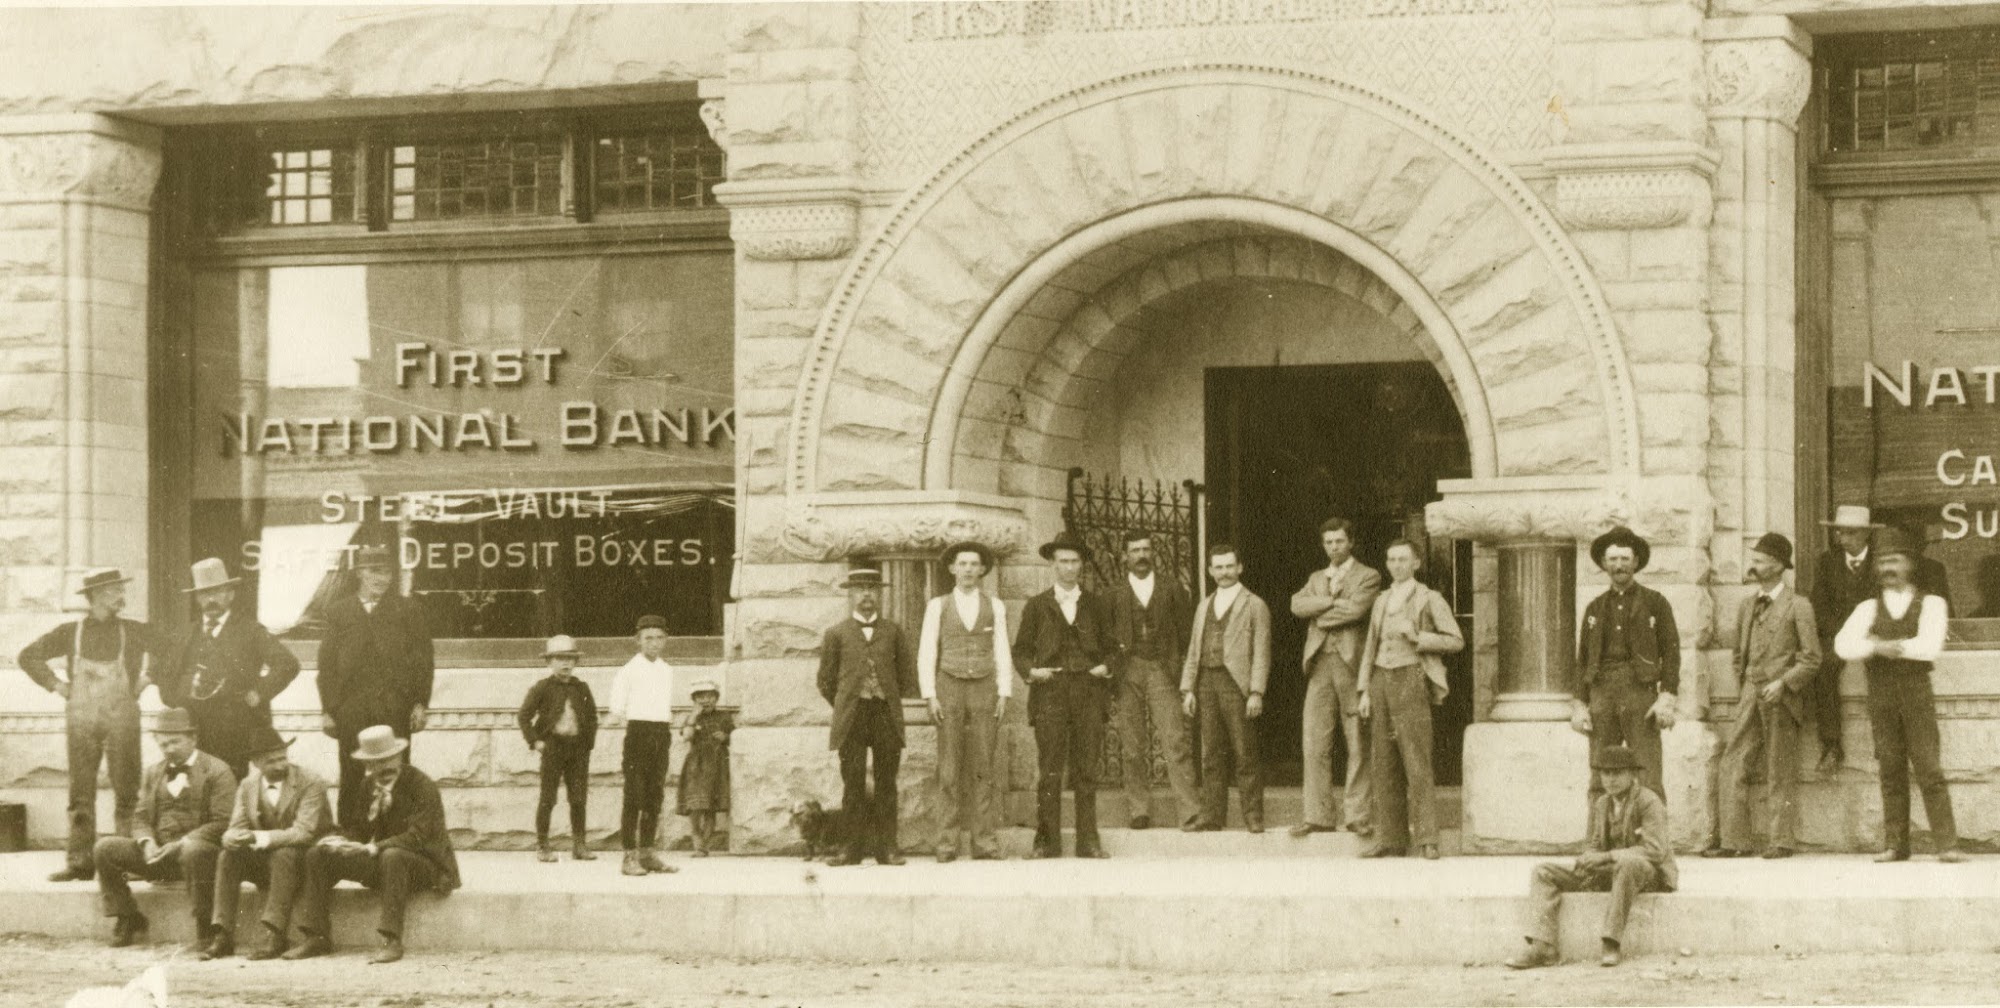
x: 1308, y: 829
x: 946, y: 856
x: 273, y: 947
x: 313, y: 947
x: 844, y: 859
x: 391, y: 951
x: 1612, y: 954
x: 127, y: 929
x: 545, y: 854
x: 649, y: 859
x: 1383, y: 850
x: 74, y: 873
x: 889, y: 858
x: 1721, y: 852
x: 1953, y: 856
x: 631, y: 865
x: 1535, y: 956
x: 1431, y: 852
x: 986, y: 855
x: 1773, y: 853
x: 1090, y: 850
x: 1040, y: 851
x: 1254, y: 825
x: 578, y: 851
x: 222, y: 946
x: 1888, y: 856
x: 1200, y: 827
x: 1142, y: 822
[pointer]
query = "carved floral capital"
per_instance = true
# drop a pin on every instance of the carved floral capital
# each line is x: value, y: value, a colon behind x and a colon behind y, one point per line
x: 1631, y: 186
x: 50, y: 164
x: 1764, y: 78
x: 839, y: 527
x: 791, y: 219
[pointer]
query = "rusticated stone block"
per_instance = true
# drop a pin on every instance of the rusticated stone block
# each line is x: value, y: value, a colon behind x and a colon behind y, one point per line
x: 778, y: 692
x: 36, y: 759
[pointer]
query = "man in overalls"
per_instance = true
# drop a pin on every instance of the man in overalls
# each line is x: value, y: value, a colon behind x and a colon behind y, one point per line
x: 105, y: 657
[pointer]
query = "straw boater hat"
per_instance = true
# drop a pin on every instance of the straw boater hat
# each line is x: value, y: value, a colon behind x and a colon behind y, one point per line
x: 174, y: 721
x: 863, y: 577
x: 102, y: 577
x: 561, y: 644
x: 705, y: 686
x: 952, y: 551
x: 377, y: 742
x: 1642, y: 551
x: 209, y: 573
x: 1851, y: 516
x: 1063, y: 541
x: 1775, y: 546
x: 1617, y: 758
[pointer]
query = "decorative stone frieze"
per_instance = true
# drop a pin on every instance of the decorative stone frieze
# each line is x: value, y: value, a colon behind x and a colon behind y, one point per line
x: 1503, y: 510
x: 714, y: 119
x: 837, y: 526
x: 47, y: 158
x: 1630, y: 186
x: 812, y: 218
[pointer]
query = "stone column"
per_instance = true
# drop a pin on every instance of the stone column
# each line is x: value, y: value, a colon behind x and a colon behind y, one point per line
x: 76, y: 196
x: 1537, y: 629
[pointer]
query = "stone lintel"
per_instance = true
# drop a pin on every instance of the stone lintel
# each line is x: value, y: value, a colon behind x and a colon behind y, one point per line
x: 825, y: 527
x: 1503, y: 509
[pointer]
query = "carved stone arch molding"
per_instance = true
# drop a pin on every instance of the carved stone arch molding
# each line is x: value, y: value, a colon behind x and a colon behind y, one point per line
x: 1518, y: 324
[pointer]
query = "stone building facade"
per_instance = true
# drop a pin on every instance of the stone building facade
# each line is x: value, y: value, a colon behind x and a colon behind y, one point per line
x: 964, y: 237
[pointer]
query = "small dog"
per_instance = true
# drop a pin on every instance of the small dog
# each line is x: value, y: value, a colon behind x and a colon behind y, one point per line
x: 148, y: 990
x: 825, y: 831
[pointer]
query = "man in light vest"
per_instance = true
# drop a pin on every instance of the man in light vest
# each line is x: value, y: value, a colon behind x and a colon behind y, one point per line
x: 966, y: 673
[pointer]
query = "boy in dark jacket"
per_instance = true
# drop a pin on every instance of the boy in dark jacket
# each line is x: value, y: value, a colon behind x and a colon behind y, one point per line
x: 559, y: 720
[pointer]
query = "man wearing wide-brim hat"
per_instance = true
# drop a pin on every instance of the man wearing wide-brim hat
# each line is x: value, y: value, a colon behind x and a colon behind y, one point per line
x: 376, y: 664
x: 280, y: 812
x: 1776, y: 657
x: 965, y: 670
x: 227, y: 670
x: 399, y: 847
x: 184, y: 805
x: 1066, y: 645
x: 104, y: 658
x: 1628, y: 659
x: 1843, y: 578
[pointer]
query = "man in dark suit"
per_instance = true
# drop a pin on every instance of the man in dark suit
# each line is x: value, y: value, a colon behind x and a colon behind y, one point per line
x: 1149, y: 619
x: 1777, y: 655
x: 1628, y: 666
x: 1222, y: 681
x: 280, y: 812
x: 1066, y: 648
x: 866, y: 665
x: 398, y: 847
x: 1843, y: 579
x: 376, y: 666
x: 227, y: 671
x: 183, y: 806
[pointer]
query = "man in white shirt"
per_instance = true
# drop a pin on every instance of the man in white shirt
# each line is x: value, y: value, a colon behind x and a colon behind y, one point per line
x: 965, y: 671
x: 642, y: 696
x: 1897, y: 635
x: 1222, y: 681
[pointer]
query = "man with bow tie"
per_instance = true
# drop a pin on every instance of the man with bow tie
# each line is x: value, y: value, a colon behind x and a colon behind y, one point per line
x: 1066, y: 647
x: 866, y: 665
x: 280, y: 811
x: 184, y: 803
x: 398, y: 847
x: 227, y: 670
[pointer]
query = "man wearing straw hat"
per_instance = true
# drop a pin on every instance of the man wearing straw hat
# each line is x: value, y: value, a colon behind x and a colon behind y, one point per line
x: 866, y: 664
x: 1628, y: 660
x: 184, y: 804
x: 104, y: 656
x: 227, y: 670
x: 280, y: 812
x: 1843, y: 579
x: 376, y: 665
x: 400, y: 846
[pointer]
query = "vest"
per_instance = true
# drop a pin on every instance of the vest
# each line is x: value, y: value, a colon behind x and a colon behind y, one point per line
x: 176, y: 817
x: 962, y: 653
x: 1886, y: 628
x: 1211, y: 636
x: 1072, y: 657
x: 1149, y: 638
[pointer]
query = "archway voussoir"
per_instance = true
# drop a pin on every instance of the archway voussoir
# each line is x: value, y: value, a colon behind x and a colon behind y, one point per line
x: 1487, y: 243
x: 1402, y: 178
x: 1257, y: 133
x: 1452, y: 203
x: 1511, y: 356
x: 1552, y: 395
x: 1095, y: 142
x: 1205, y: 131
x: 1366, y: 142
x: 1564, y: 448
x: 1216, y: 260
x: 1253, y: 256
x: 1503, y: 299
x: 1312, y: 132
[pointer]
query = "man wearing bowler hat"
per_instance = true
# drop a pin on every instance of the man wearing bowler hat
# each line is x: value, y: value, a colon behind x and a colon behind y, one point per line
x: 184, y: 804
x: 1066, y: 645
x: 104, y: 673
x: 1777, y: 656
x: 1628, y: 851
x: 227, y: 670
x: 399, y: 847
x: 1628, y: 665
x: 280, y: 812
x: 866, y: 664
x: 965, y: 671
x: 376, y: 665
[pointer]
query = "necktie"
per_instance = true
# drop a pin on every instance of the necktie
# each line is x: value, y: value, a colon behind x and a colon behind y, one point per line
x: 380, y: 805
x: 1757, y: 608
x: 209, y: 623
x: 1853, y: 565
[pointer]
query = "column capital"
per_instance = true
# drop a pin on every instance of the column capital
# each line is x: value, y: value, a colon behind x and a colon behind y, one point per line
x: 1528, y: 508
x: 828, y: 527
x: 1757, y: 68
x: 88, y: 157
x: 804, y: 218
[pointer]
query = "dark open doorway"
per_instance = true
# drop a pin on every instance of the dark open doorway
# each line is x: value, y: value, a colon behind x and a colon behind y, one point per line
x: 1289, y: 446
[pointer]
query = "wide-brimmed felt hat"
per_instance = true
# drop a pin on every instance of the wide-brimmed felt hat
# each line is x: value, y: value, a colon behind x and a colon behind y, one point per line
x: 209, y: 573
x: 373, y: 556
x: 1851, y: 516
x: 102, y: 577
x: 952, y: 551
x: 561, y: 644
x: 705, y: 686
x: 174, y: 721
x: 1775, y: 546
x: 863, y: 577
x: 378, y: 742
x: 265, y: 740
x: 1062, y: 542
x: 1617, y: 758
x: 1642, y: 551
x: 1891, y: 541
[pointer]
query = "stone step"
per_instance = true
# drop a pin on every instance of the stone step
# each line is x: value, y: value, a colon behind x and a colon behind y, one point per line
x: 1233, y: 844
x: 1222, y: 914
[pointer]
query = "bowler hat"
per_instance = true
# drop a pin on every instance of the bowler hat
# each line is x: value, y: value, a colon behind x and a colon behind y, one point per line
x: 1642, y: 551
x: 174, y: 721
x: 1891, y: 541
x: 378, y: 742
x: 102, y: 577
x: 863, y: 577
x: 1617, y: 758
x: 705, y: 686
x: 1063, y: 542
x: 651, y: 623
x: 373, y: 556
x: 209, y: 573
x: 560, y: 644
x: 265, y: 740
x: 952, y: 551
x: 1775, y: 546
x: 1851, y: 516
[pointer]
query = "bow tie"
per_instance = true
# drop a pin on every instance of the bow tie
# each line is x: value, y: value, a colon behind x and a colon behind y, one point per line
x: 176, y: 770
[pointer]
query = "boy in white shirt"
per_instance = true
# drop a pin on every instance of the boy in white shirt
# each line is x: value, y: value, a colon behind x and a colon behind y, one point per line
x: 642, y: 696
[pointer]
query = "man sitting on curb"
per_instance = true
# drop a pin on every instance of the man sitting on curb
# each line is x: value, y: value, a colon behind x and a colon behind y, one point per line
x: 281, y: 809
x: 1627, y: 852
x: 184, y: 804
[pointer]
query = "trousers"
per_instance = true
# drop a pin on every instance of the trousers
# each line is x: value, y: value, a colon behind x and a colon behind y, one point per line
x: 1149, y: 692
x: 648, y: 746
x: 1823, y: 698
x: 1624, y: 878
x: 565, y: 763
x: 278, y: 871
x: 1902, y: 716
x: 872, y: 734
x: 191, y: 860
x: 1332, y: 690
x: 394, y: 874
x: 1763, y: 745
x: 1228, y: 742
x: 101, y: 722
x: 1068, y: 712
x: 1618, y: 706
x: 1400, y: 732
x: 968, y: 737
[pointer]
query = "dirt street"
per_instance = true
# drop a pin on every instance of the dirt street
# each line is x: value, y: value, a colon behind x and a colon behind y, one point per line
x: 40, y: 972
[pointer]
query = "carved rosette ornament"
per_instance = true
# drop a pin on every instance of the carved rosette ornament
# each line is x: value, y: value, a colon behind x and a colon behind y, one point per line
x: 776, y: 220
x: 713, y: 118
x: 1765, y: 78
x: 829, y: 531
x: 43, y: 162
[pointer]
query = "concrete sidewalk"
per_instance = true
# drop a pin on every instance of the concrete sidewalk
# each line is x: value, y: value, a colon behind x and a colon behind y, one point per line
x: 1265, y: 913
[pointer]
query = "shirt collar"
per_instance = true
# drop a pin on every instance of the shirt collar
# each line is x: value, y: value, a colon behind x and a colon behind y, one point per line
x: 1066, y: 594
x: 964, y: 595
x: 1336, y: 571
x: 1776, y: 590
x: 1137, y: 580
x: 387, y: 783
x: 1857, y: 558
x: 867, y: 620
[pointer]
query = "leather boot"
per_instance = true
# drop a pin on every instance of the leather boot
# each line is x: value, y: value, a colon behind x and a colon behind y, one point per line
x: 545, y: 853
x: 631, y: 866
x: 649, y: 859
x: 273, y: 947
x: 126, y: 929
x: 221, y: 946
x: 579, y: 850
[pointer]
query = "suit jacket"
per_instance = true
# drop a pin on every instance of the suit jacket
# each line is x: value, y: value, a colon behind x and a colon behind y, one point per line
x: 1837, y: 590
x: 845, y: 659
x: 214, y: 790
x: 243, y: 658
x: 1246, y: 643
x: 1038, y: 643
x: 414, y: 822
x: 1337, y: 610
x: 1642, y: 829
x: 374, y: 667
x: 542, y: 708
x: 1655, y: 647
x: 301, y: 816
x: 1169, y: 607
x: 1782, y: 643
x: 1437, y: 635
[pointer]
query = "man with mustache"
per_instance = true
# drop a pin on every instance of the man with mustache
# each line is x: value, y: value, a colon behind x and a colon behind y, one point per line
x: 1149, y: 626
x: 1628, y: 664
x: 227, y: 671
x: 866, y: 664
